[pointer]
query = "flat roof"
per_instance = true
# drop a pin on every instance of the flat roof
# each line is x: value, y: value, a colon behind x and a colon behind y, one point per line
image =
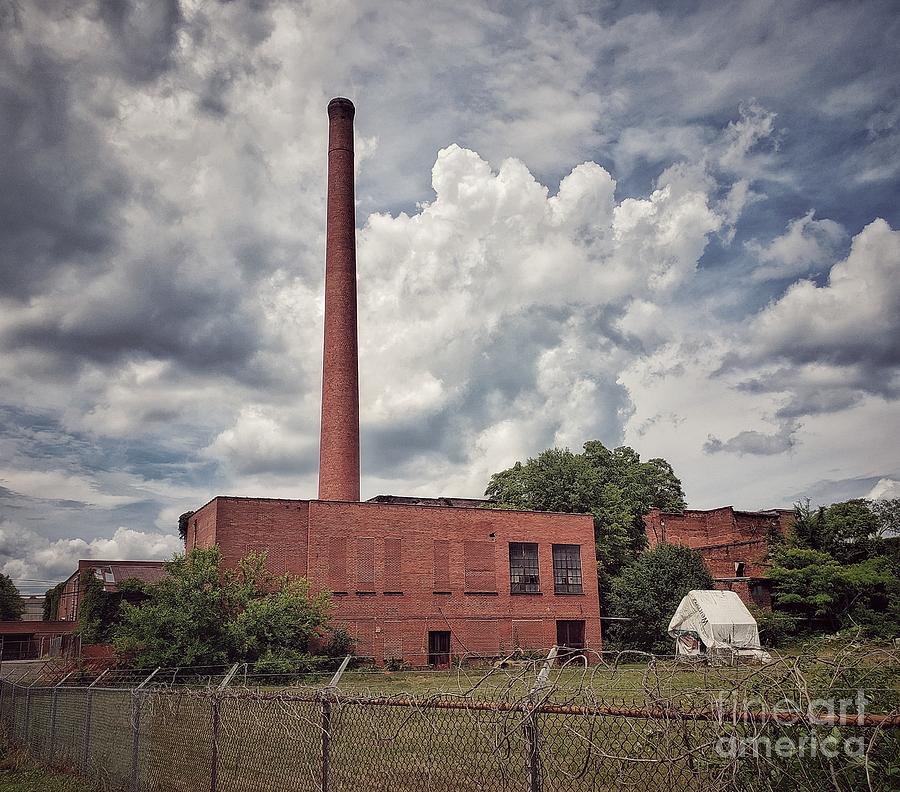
x: 376, y: 504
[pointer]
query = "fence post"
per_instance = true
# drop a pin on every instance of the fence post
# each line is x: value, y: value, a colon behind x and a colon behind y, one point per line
x: 216, y: 721
x: 136, y: 697
x: 326, y: 721
x: 89, y: 709
x: 326, y: 743
x: 214, y: 768
x: 530, y: 728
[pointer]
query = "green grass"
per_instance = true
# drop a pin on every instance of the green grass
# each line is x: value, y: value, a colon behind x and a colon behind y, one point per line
x: 19, y: 773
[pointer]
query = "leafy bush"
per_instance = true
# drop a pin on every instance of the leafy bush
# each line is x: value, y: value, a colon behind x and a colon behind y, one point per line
x: 203, y: 614
x: 774, y: 628
x: 340, y: 643
x: 648, y: 592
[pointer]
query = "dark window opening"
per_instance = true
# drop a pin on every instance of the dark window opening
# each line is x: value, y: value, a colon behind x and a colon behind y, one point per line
x: 570, y: 635
x: 567, y: 569
x: 439, y: 648
x: 759, y: 594
x: 739, y: 569
x: 524, y: 575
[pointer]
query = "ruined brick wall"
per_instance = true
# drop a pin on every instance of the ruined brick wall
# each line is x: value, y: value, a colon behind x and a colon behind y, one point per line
x: 67, y: 609
x: 734, y: 544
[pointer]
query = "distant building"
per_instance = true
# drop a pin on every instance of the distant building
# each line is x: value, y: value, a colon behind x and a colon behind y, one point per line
x: 111, y: 574
x: 34, y: 607
x: 734, y: 544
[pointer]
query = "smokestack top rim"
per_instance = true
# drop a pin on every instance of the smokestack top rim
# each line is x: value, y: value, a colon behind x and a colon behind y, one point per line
x: 342, y: 105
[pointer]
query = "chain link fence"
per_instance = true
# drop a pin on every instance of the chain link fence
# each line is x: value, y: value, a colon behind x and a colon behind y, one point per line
x: 203, y: 733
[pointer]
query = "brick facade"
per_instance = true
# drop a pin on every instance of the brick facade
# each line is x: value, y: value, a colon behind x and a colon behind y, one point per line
x: 734, y: 544
x: 400, y: 571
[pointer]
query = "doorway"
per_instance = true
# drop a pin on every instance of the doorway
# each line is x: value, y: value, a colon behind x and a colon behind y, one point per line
x: 439, y: 648
x: 570, y: 636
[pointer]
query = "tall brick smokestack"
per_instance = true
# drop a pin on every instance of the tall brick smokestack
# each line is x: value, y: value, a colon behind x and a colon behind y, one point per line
x: 339, y: 445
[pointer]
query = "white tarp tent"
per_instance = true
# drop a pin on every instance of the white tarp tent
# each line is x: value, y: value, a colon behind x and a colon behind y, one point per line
x: 717, y: 623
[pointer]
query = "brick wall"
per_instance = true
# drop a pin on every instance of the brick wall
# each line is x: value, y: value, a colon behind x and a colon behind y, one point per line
x: 399, y: 571
x: 263, y: 525
x: 734, y: 544
x: 454, y: 575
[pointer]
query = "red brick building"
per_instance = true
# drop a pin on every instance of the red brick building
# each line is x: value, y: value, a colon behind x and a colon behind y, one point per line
x: 111, y: 574
x: 420, y: 583
x: 734, y: 544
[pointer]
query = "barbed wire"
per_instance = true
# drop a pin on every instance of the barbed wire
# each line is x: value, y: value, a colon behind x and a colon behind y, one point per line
x: 588, y: 720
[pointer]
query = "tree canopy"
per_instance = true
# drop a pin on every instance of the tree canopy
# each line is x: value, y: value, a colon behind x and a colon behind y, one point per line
x: 203, y: 614
x: 835, y: 568
x: 11, y: 605
x: 614, y: 486
x: 648, y: 591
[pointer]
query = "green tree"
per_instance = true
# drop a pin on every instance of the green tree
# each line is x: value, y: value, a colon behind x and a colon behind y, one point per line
x: 647, y: 593
x: 613, y: 486
x: 808, y: 583
x: 849, y: 531
x: 203, y: 614
x: 183, y: 521
x: 11, y: 605
x: 887, y: 510
x: 834, y: 569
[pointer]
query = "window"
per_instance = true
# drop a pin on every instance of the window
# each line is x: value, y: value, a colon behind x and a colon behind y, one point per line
x: 569, y: 634
x: 524, y: 577
x: 739, y: 569
x: 567, y: 569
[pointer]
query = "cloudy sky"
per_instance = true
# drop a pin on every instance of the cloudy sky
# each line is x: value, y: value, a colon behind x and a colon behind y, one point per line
x: 674, y: 226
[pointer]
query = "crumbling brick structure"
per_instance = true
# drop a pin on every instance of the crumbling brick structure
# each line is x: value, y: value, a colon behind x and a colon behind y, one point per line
x: 734, y: 544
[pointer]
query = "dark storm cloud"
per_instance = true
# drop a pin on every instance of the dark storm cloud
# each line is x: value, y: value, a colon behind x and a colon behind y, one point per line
x: 144, y: 32
x: 61, y: 188
x: 64, y: 189
x: 150, y: 310
x: 755, y: 443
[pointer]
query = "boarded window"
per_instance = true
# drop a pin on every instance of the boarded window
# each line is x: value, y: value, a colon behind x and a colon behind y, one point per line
x: 524, y: 575
x: 441, y: 565
x: 479, y: 559
x: 337, y: 564
x: 365, y: 563
x: 567, y: 569
x: 393, y: 550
